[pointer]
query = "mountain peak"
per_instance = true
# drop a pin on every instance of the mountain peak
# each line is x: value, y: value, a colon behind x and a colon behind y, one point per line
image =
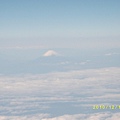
x: 50, y: 53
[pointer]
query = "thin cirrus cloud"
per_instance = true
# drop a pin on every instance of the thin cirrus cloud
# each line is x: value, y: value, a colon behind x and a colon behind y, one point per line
x: 57, y: 42
x: 22, y: 47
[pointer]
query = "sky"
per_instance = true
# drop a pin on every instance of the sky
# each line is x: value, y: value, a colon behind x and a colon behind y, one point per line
x: 50, y: 23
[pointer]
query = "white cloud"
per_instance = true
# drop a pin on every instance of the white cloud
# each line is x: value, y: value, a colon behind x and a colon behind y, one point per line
x: 94, y: 116
x: 110, y: 54
x: 28, y: 94
x: 28, y: 117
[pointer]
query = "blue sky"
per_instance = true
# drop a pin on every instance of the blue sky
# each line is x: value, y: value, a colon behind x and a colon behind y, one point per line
x: 47, y: 22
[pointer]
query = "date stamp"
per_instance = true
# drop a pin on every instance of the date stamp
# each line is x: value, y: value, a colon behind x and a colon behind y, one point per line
x: 102, y: 107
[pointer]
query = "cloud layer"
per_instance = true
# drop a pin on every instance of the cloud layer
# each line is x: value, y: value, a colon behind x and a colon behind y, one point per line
x: 95, y: 116
x: 66, y: 95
